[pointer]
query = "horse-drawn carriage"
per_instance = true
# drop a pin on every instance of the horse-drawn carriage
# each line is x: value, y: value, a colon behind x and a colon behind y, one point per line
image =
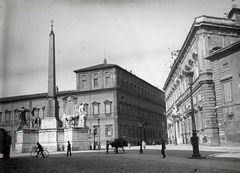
x: 118, y: 143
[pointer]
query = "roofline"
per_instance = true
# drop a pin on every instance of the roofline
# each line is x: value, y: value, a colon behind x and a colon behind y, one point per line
x: 67, y: 93
x: 116, y: 66
x: 97, y: 68
x: 31, y: 96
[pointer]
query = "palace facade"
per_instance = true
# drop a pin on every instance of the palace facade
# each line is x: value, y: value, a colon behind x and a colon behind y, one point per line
x: 211, y: 52
x: 118, y: 104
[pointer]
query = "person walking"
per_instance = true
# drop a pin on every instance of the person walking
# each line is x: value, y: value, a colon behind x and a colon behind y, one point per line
x: 163, y: 148
x: 144, y: 145
x: 69, y: 149
x: 40, y: 149
x: 107, y: 146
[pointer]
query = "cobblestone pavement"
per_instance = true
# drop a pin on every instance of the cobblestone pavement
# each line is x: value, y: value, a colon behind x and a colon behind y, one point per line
x: 130, y: 161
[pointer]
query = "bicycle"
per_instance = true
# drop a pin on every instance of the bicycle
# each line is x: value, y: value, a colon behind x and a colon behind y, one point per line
x: 34, y: 153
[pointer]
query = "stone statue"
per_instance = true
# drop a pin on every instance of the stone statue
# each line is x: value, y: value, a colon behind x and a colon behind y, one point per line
x: 22, y: 124
x: 82, y: 115
x: 78, y: 118
x: 69, y: 120
x: 35, y: 122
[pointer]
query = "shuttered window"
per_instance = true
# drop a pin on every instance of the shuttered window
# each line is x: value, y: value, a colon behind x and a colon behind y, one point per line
x: 227, y: 91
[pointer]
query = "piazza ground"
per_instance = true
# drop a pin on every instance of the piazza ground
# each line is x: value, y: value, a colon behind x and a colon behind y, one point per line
x: 131, y: 161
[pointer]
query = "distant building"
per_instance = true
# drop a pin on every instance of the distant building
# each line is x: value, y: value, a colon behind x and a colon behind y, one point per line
x: 116, y: 101
x: 206, y: 36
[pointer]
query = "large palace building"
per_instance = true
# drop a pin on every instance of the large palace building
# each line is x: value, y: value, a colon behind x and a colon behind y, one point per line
x: 117, y: 103
x: 211, y: 53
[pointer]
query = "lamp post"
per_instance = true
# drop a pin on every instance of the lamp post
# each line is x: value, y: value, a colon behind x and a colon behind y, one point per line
x: 163, y: 134
x: 194, y: 138
x: 94, y: 133
x: 140, y: 124
x: 175, y: 131
x: 99, y: 146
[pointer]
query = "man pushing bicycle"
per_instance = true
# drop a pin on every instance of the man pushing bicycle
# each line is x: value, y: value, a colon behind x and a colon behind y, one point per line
x: 40, y: 149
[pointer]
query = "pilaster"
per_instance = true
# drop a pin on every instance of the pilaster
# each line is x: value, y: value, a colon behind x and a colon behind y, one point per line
x: 210, y: 116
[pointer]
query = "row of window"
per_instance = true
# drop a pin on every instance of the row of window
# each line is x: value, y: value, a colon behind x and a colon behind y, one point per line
x: 127, y: 131
x: 96, y: 79
x: 144, y: 91
x: 7, y: 116
x: 185, y: 125
x: 226, y: 86
x: 11, y: 117
x: 108, y: 130
x: 180, y: 85
x: 124, y: 109
x: 136, y: 112
x: 96, y: 107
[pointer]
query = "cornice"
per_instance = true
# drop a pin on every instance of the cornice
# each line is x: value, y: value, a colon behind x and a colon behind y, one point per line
x: 142, y: 97
x: 23, y: 97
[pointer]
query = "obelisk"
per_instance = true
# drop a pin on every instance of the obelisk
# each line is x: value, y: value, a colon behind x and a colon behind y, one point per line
x: 51, y: 118
x: 49, y: 132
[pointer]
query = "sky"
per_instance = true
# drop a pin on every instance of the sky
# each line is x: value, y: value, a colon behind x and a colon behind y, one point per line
x: 137, y: 35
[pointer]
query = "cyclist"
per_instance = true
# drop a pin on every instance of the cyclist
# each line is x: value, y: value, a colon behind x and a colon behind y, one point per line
x: 40, y: 149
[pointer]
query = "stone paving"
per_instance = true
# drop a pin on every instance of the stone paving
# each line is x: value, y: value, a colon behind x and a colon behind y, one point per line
x: 218, y: 160
x: 209, y: 162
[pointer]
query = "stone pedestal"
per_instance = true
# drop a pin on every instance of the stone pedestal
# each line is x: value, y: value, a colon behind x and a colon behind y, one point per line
x: 49, y: 122
x: 26, y: 140
x: 51, y: 139
x: 78, y: 137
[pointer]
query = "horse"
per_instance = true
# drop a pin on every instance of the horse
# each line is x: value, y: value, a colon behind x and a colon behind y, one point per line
x: 23, y: 123
x: 119, y: 143
x: 35, y: 121
x: 69, y: 120
x: 22, y: 118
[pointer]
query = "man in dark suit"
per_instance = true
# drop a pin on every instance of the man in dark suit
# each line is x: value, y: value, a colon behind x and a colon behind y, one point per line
x: 107, y: 146
x: 163, y: 148
x: 69, y: 149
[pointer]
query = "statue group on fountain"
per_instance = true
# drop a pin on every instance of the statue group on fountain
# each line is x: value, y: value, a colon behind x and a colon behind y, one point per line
x: 27, y: 119
x: 78, y: 119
